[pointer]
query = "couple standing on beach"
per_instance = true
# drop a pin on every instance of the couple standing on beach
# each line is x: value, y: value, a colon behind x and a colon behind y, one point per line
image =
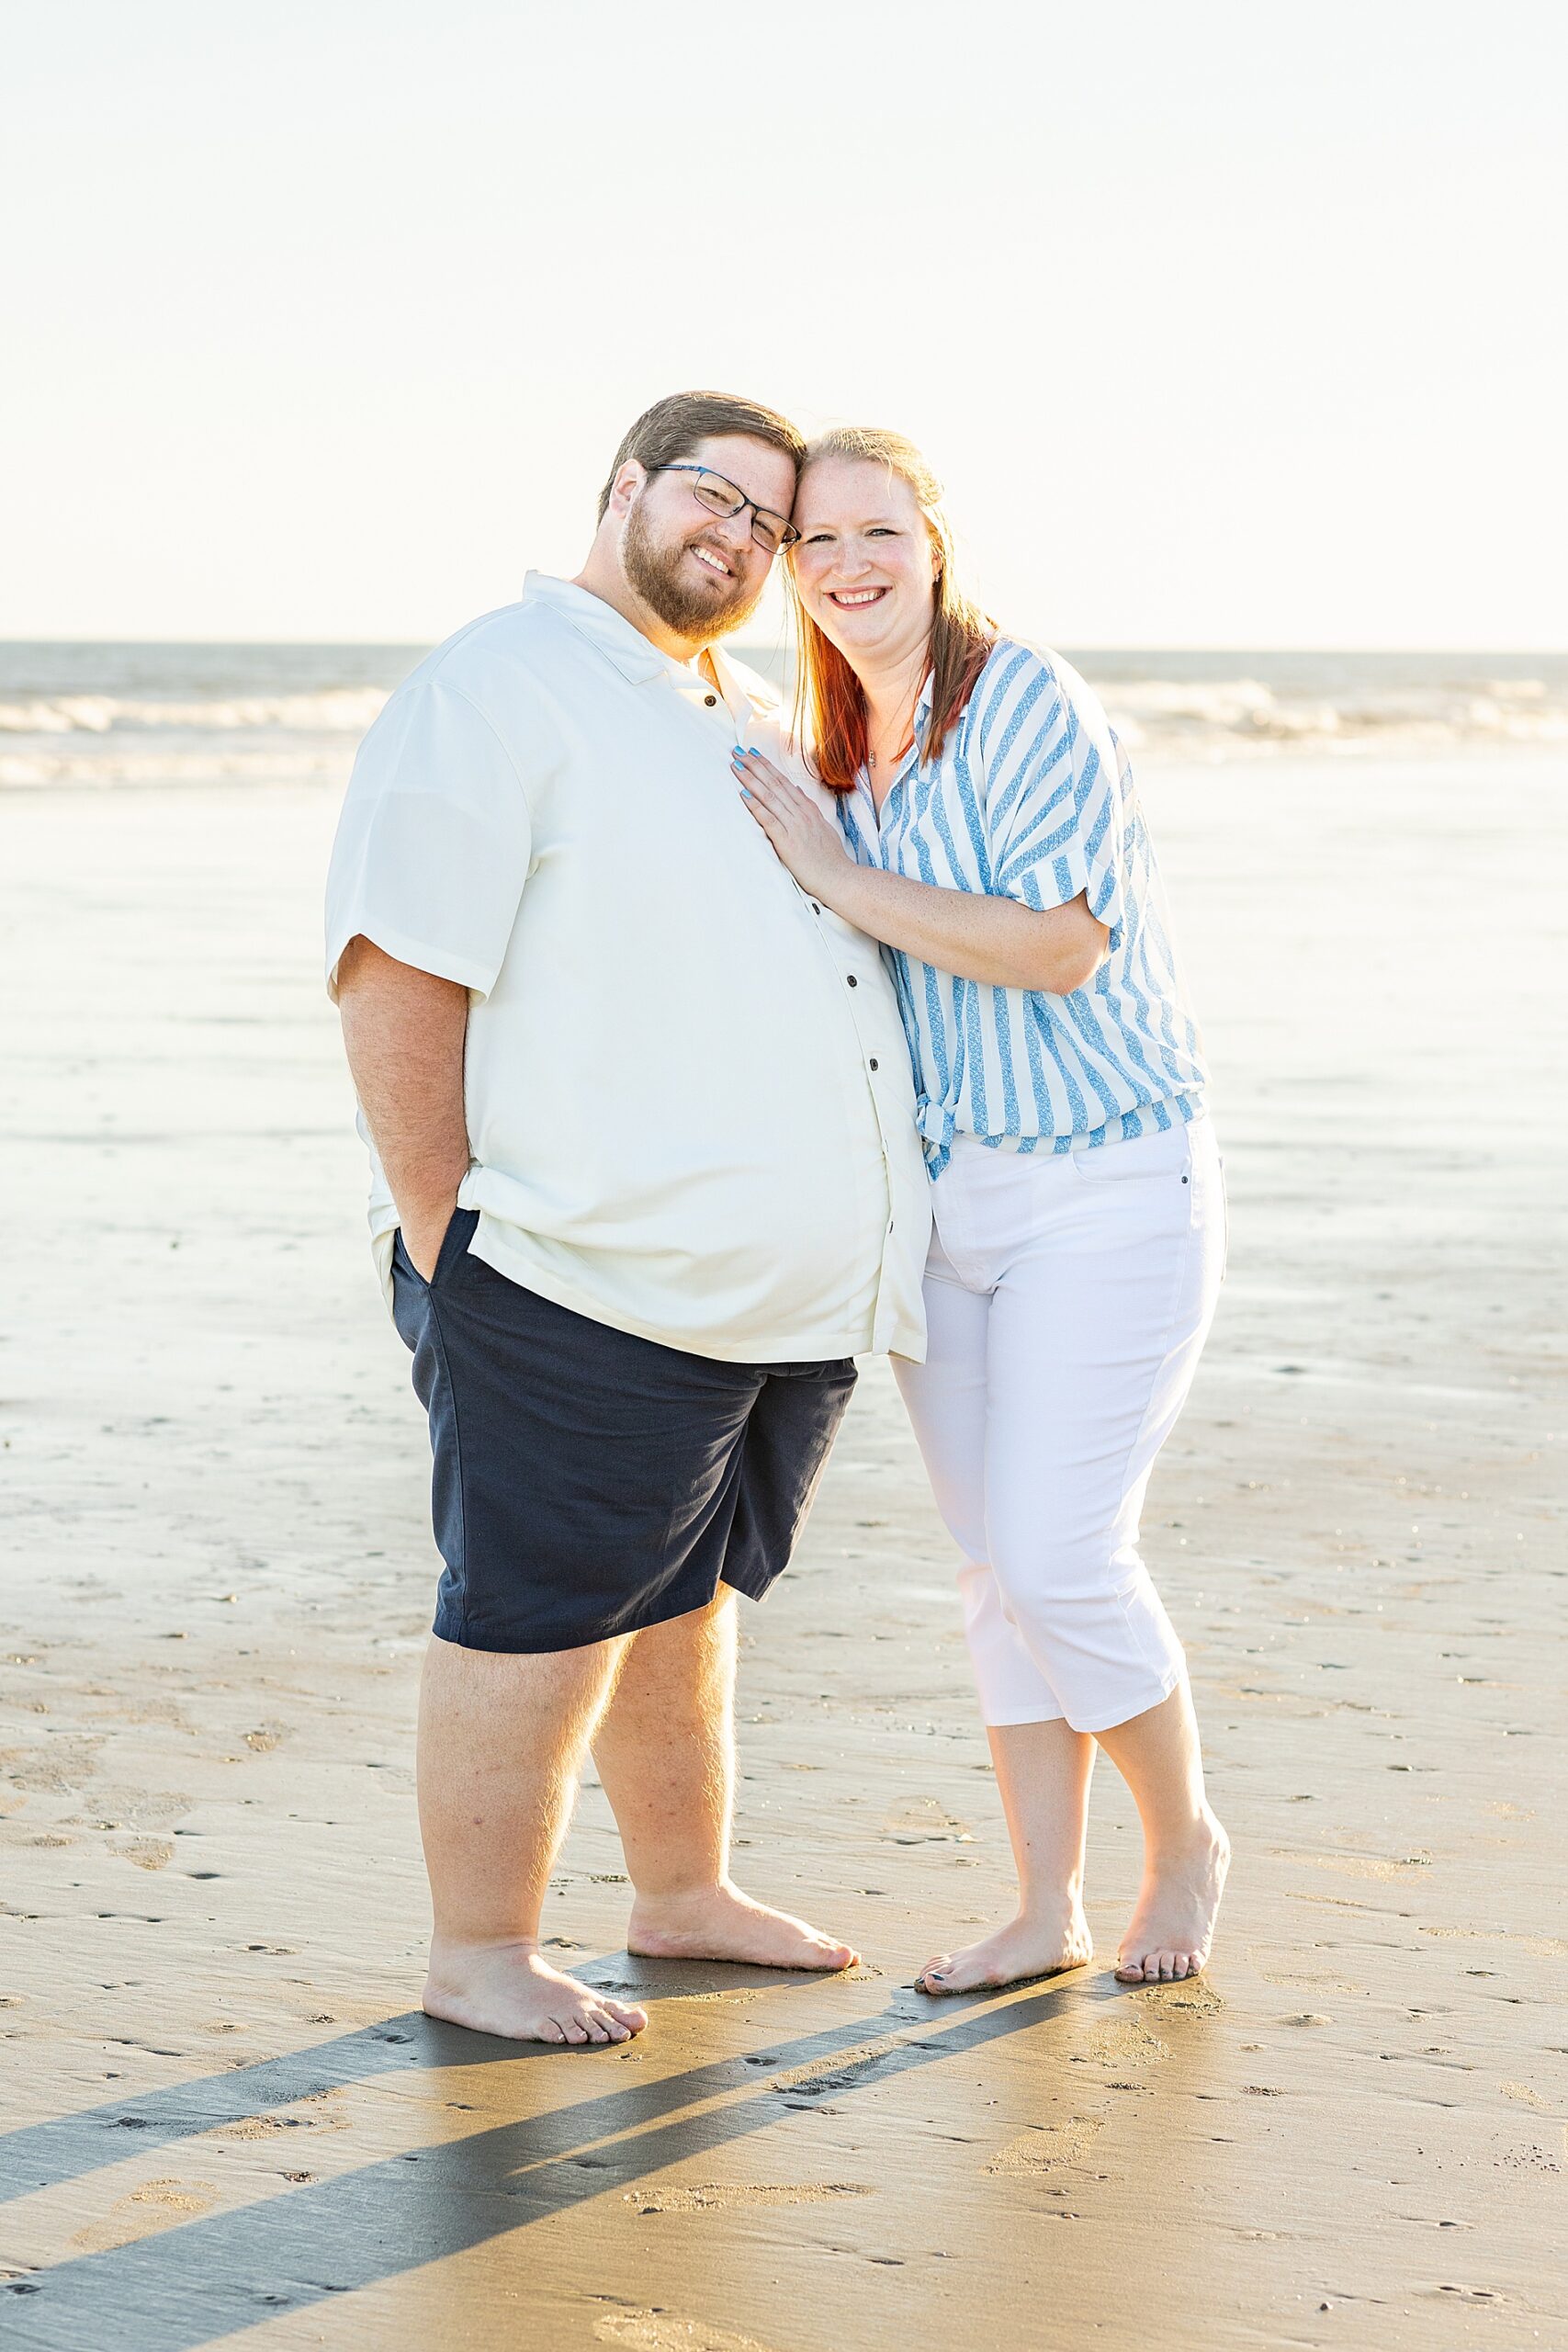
x: 654, y: 1006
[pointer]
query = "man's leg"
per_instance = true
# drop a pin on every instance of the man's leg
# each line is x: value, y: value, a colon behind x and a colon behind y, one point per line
x: 665, y: 1750
x: 501, y: 1741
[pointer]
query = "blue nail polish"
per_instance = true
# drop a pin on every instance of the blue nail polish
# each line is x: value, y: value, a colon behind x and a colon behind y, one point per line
x: 754, y: 751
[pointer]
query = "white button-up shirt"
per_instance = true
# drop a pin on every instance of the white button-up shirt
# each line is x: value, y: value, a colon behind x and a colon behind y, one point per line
x: 688, y: 1094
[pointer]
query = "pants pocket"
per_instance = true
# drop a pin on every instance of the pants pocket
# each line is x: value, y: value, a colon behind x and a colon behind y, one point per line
x: 1160, y: 1158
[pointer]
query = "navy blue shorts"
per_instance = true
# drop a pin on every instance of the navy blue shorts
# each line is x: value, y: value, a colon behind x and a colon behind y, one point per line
x: 587, y: 1483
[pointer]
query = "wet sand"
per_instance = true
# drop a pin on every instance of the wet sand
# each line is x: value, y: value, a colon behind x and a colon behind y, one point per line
x: 225, y: 2120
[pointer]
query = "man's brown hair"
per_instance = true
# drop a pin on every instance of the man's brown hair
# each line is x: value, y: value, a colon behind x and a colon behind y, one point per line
x: 673, y: 427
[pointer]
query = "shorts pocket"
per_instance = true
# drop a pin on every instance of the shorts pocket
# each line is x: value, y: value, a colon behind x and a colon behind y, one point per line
x: 460, y: 1229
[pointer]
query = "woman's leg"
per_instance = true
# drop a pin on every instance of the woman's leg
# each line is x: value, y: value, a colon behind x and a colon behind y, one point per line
x: 1095, y: 1329
x: 1186, y: 1852
x: 1043, y: 1771
x: 1042, y: 1766
x: 946, y: 1399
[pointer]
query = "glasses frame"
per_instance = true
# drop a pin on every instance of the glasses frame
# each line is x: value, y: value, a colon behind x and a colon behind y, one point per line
x: 788, y: 535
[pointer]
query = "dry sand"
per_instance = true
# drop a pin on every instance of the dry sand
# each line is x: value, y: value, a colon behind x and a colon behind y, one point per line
x: 225, y: 2122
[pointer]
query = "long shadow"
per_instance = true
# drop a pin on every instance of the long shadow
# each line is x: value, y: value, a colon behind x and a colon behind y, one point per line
x: 41, y: 2155
x: 213, y: 2278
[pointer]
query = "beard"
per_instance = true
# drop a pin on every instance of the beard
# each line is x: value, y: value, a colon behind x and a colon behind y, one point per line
x: 689, y: 608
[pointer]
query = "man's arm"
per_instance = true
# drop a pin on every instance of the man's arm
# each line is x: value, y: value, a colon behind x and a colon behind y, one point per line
x: 403, y: 1030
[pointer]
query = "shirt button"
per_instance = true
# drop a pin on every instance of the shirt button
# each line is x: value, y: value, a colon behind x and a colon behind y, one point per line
x: 815, y: 908
x: 853, y: 982
x: 710, y: 700
x: 875, y: 1063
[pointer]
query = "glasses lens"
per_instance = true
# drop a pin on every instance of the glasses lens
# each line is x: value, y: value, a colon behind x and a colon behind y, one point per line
x: 720, y: 497
x: 768, y: 531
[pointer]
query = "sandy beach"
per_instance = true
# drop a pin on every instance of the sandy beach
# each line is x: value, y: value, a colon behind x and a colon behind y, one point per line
x: 225, y: 2119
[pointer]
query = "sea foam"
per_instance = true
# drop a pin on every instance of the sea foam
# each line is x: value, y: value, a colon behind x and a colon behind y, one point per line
x: 135, y: 715
x: 345, y: 710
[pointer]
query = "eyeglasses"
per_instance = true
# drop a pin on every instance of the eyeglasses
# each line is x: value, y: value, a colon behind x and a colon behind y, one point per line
x: 721, y: 497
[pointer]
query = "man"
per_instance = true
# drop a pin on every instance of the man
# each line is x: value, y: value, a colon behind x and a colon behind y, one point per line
x: 645, y: 1179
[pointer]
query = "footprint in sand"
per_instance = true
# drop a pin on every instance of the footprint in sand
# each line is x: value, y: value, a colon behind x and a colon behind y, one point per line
x: 715, y: 2198
x: 1378, y: 1866
x: 1122, y: 2049
x: 639, y: 2329
x: 140, y: 1811
x: 843, y: 2075
x: 67, y: 1764
x: 1537, y: 1947
x: 925, y: 1821
x: 1275, y: 1969
x: 313, y: 2113
x: 1130, y: 2042
x: 156, y: 2205
x: 147, y: 1853
x: 1192, y: 1995
x: 1048, y: 2148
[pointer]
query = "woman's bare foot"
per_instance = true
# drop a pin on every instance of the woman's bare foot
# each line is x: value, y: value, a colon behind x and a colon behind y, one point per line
x: 1034, y: 1944
x: 720, y: 1923
x: 508, y: 1990
x: 1172, y: 1926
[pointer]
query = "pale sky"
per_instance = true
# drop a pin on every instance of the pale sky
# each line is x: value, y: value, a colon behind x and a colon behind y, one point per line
x: 1227, y: 325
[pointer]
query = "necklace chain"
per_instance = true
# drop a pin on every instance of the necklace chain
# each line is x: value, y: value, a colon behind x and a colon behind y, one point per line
x: 904, y: 739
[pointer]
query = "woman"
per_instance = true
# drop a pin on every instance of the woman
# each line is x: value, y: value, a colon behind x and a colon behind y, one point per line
x: 992, y: 838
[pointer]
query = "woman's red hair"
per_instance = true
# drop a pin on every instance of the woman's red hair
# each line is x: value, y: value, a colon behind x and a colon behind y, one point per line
x: 830, y: 704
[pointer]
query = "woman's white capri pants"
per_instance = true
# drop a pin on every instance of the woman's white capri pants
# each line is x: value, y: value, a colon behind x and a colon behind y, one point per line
x: 1068, y: 1296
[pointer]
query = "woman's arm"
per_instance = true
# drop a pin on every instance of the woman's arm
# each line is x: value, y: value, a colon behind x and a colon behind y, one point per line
x: 979, y: 938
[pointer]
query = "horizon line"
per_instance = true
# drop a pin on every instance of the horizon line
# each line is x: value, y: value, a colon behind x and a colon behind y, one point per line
x: 1101, y: 645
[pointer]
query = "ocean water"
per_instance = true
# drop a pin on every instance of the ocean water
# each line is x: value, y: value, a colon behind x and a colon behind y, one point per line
x: 119, y: 716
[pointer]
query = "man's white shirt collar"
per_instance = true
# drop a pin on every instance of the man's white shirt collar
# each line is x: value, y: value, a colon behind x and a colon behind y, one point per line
x: 635, y: 656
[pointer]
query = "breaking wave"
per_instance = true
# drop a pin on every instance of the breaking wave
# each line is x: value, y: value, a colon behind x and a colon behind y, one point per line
x: 1238, y: 715
x: 345, y: 710
x: 37, y: 769
x: 101, y: 715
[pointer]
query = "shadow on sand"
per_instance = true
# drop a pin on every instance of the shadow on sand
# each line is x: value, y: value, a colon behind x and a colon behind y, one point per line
x: 211, y: 2277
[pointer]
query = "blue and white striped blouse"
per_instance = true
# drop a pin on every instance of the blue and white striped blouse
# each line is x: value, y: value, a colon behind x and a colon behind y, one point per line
x: 1034, y: 800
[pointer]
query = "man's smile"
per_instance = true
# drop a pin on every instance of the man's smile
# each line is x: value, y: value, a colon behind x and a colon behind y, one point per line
x: 710, y: 558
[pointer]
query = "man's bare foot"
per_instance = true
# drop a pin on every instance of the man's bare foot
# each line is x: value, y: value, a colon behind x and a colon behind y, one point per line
x: 1039, y: 1944
x: 507, y: 1989
x: 1172, y: 1926
x: 720, y: 1923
